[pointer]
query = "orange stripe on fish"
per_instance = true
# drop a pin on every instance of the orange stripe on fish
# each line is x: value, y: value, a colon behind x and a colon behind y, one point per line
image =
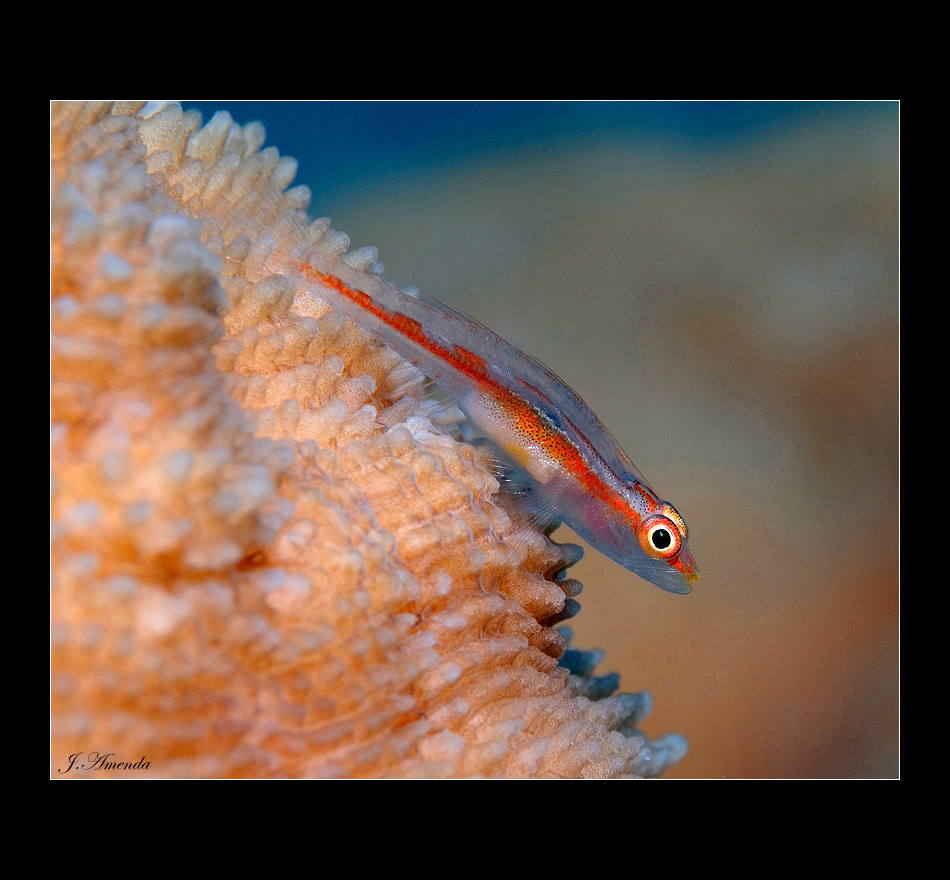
x: 578, y: 470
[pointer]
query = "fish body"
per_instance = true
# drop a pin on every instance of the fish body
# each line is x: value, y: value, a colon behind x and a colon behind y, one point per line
x: 578, y: 472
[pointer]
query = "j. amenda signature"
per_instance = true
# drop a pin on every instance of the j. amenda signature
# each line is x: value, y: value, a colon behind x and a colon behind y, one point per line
x: 102, y: 761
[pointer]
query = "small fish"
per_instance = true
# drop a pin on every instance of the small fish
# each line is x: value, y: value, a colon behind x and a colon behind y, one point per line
x: 578, y: 473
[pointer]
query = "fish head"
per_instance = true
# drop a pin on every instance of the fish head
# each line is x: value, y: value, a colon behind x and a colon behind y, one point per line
x: 644, y: 535
x: 665, y: 558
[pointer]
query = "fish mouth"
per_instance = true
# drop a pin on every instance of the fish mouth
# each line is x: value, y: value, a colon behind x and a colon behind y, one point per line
x: 684, y: 574
x: 671, y: 579
x: 686, y: 565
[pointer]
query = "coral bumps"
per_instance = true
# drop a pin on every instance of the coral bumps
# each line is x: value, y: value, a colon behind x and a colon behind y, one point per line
x: 267, y: 558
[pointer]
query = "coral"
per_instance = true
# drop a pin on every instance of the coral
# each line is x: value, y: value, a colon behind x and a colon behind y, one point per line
x: 268, y: 557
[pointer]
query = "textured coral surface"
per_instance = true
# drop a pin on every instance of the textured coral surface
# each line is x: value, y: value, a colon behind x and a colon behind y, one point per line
x: 726, y: 298
x: 267, y: 559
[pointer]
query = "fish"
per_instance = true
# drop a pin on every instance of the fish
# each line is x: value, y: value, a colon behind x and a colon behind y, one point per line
x: 575, y: 471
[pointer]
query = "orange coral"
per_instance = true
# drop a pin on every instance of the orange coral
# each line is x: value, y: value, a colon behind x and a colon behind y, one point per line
x: 267, y: 560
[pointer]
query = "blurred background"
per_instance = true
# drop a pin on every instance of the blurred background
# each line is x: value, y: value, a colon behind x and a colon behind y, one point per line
x: 720, y: 282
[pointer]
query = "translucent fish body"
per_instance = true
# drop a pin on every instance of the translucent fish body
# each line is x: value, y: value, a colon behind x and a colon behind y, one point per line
x: 578, y: 472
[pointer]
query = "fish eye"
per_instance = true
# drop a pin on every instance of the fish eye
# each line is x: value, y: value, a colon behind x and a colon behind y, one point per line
x: 660, y: 537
